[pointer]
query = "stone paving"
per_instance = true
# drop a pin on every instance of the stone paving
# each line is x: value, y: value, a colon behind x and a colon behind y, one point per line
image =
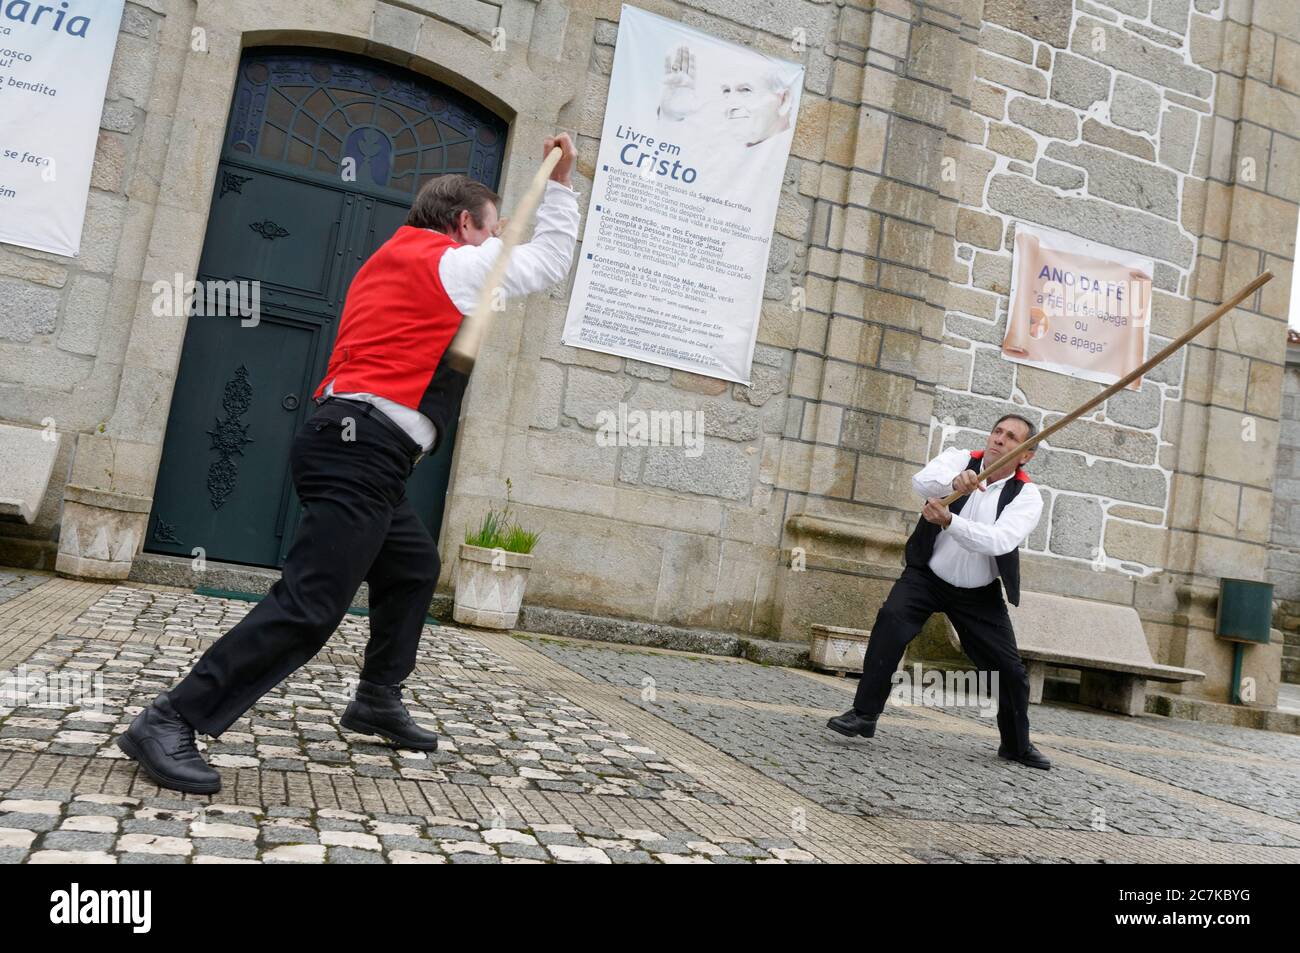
x: 557, y: 750
x: 505, y: 736
x: 646, y: 669
x: 910, y: 771
x: 45, y: 825
x: 15, y: 583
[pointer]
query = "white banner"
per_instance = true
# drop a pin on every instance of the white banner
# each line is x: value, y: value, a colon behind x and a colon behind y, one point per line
x: 1077, y: 307
x: 696, y: 136
x: 54, y: 63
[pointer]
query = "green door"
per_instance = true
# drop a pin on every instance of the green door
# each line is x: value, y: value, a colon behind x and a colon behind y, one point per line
x: 322, y: 157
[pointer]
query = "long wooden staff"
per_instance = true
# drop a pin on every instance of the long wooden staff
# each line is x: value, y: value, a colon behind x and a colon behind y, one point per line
x: 462, y: 352
x: 1169, y: 349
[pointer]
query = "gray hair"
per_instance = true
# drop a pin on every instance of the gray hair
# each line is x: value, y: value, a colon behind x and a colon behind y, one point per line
x: 1029, y: 424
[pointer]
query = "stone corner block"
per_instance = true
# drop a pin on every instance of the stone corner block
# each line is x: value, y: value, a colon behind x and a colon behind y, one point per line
x: 101, y: 532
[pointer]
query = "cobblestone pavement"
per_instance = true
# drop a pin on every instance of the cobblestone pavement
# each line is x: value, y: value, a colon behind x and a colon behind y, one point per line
x: 909, y: 770
x: 563, y: 751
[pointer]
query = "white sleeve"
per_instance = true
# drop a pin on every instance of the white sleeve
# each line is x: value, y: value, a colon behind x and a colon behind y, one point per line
x: 935, y: 480
x: 536, y: 265
x: 1005, y: 534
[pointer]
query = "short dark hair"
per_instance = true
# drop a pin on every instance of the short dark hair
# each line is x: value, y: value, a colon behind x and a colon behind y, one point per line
x: 1029, y: 425
x: 440, y: 202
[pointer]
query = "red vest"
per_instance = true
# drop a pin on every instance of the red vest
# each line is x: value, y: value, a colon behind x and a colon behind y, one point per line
x: 396, y: 325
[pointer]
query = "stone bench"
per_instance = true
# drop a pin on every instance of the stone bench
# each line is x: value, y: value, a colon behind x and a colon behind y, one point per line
x: 1104, y: 642
x: 27, y: 459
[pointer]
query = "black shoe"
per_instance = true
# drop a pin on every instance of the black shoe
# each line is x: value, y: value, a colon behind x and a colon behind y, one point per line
x: 853, y: 724
x: 378, y: 710
x: 163, y: 743
x: 1030, y: 758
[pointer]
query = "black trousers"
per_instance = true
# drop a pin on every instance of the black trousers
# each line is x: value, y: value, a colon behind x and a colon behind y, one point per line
x: 357, y: 524
x: 983, y: 626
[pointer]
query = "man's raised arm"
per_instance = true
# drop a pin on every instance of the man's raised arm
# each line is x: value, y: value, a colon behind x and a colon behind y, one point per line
x: 935, y: 479
x: 534, y: 266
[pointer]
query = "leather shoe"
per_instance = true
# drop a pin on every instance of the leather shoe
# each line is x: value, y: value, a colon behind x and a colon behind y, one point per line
x: 163, y: 744
x: 853, y: 724
x: 1031, y: 757
x: 378, y: 710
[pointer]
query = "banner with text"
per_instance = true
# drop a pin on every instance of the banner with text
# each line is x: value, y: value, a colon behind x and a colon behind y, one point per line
x: 696, y: 137
x: 54, y: 63
x: 1077, y: 307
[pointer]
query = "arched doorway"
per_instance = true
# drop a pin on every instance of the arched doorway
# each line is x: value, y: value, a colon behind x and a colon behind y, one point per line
x: 322, y: 156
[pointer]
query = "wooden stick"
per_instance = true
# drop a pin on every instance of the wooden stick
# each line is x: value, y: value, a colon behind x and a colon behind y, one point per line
x: 463, y: 350
x: 1169, y: 349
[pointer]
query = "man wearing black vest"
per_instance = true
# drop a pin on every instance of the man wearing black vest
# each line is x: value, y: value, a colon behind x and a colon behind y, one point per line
x: 954, y: 559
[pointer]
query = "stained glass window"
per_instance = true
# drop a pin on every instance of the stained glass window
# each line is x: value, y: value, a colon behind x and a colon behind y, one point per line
x: 376, y: 126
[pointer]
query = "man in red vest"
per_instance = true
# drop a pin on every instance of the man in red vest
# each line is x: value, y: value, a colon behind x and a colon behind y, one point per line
x: 955, y: 558
x: 387, y: 399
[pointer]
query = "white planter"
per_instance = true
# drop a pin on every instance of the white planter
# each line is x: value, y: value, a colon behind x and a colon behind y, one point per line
x: 838, y: 649
x: 490, y: 586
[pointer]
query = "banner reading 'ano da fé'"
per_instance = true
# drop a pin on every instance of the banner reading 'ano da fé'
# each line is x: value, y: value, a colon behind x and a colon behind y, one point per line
x: 1077, y: 307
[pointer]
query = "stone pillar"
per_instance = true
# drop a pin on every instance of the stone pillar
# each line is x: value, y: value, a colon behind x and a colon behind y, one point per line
x: 1222, y: 492
x: 1284, y: 541
x: 874, y: 299
x: 106, y: 505
x: 110, y: 489
x: 100, y: 532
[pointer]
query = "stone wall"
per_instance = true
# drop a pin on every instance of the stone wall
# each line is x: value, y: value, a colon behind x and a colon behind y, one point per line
x: 1284, y: 546
x: 1164, y: 128
x: 650, y: 532
x: 64, y: 323
x: 1101, y: 122
x: 1071, y: 141
x: 80, y: 349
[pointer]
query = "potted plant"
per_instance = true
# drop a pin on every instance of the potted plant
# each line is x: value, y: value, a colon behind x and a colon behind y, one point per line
x: 493, y: 570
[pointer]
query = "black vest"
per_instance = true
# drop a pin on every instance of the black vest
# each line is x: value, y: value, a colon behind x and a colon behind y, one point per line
x: 920, y: 545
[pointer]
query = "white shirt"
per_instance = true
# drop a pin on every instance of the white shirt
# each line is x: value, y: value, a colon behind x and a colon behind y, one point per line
x: 536, y: 265
x: 964, y: 552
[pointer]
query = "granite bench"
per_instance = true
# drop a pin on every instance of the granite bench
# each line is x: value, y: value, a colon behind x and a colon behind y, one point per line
x: 1105, y: 642
x: 27, y: 457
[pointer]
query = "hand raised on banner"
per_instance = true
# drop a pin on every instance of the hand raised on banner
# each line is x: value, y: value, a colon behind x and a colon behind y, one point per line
x: 679, y: 85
